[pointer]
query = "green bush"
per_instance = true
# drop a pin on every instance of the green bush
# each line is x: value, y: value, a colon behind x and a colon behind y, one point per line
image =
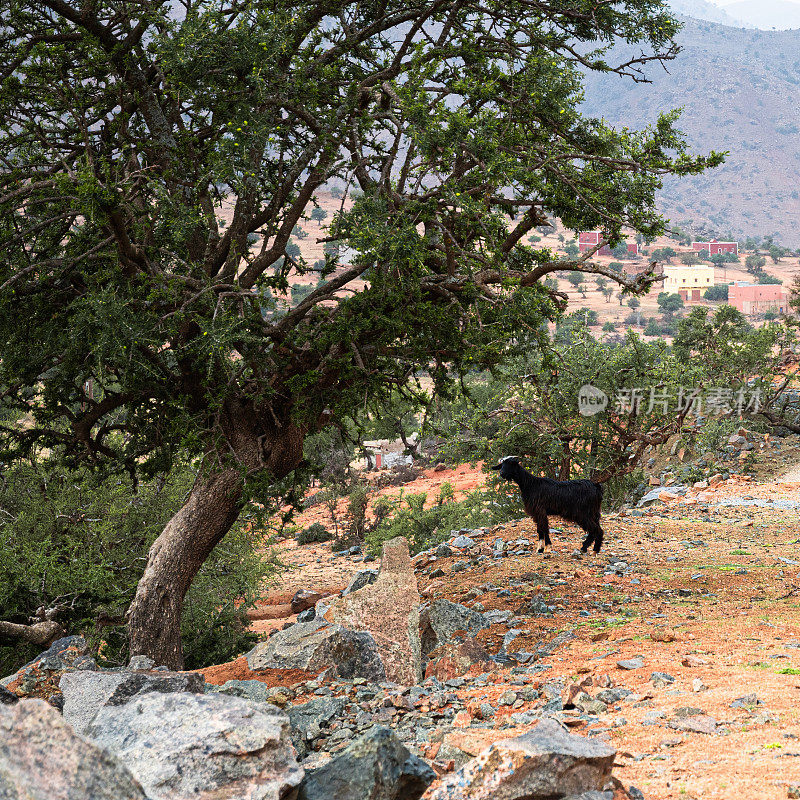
x: 717, y: 293
x: 77, y: 542
x: 316, y: 532
x: 427, y: 527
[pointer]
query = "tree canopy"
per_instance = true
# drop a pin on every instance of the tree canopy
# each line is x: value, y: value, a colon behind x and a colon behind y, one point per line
x: 156, y: 157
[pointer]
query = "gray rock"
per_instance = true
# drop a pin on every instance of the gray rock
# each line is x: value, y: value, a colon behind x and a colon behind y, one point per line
x: 462, y: 542
x: 7, y: 698
x: 746, y: 701
x: 547, y: 649
x: 440, y: 621
x: 306, y: 720
x: 141, y: 662
x: 612, y: 696
x: 42, y: 758
x: 201, y: 747
x: 307, y: 615
x: 546, y: 763
x: 593, y: 795
x: 256, y: 691
x: 67, y: 654
x: 699, y: 723
x: 376, y: 766
x: 315, y: 646
x: 85, y: 693
x: 497, y: 616
x: 631, y: 663
x: 661, y: 678
x: 360, y: 580
x: 443, y: 550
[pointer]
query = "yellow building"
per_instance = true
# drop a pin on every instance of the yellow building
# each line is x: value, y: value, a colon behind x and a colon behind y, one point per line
x: 689, y: 281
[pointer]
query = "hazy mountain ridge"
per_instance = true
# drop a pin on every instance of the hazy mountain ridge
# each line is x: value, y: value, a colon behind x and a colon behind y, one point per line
x: 740, y: 92
x: 700, y: 9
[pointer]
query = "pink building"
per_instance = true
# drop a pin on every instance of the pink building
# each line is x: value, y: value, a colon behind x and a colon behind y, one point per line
x: 752, y: 298
x: 589, y: 239
x: 714, y: 247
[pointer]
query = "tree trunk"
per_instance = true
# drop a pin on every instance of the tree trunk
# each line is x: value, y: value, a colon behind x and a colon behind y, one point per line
x: 213, y: 505
x: 154, y: 617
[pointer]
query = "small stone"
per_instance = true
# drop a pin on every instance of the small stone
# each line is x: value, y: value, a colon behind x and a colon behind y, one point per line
x: 462, y: 542
x: 693, y: 661
x: 507, y: 698
x: 631, y: 663
x: 141, y: 662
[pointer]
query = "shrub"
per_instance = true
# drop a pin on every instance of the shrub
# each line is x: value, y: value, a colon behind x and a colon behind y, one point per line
x: 77, y: 542
x: 426, y: 527
x: 717, y: 293
x: 315, y: 532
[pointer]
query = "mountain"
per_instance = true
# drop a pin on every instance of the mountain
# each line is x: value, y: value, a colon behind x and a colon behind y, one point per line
x: 740, y: 92
x: 764, y: 14
x: 700, y: 9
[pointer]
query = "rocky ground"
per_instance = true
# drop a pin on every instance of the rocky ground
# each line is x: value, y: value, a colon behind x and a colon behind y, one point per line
x: 683, y: 636
x: 678, y: 647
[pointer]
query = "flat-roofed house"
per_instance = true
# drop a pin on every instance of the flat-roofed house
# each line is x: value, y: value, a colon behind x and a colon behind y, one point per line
x: 589, y: 239
x: 714, y: 247
x: 688, y: 280
x: 755, y: 298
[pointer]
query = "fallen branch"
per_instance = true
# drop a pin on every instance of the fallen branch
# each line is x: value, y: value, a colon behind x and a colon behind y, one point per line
x: 42, y: 634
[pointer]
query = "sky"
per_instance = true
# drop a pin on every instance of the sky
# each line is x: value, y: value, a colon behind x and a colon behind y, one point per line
x: 723, y: 3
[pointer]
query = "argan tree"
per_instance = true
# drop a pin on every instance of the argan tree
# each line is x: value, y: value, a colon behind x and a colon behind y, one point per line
x: 136, y: 323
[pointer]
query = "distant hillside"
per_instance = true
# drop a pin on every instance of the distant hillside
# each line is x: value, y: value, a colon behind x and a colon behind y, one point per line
x: 765, y: 14
x: 740, y: 91
x: 700, y: 9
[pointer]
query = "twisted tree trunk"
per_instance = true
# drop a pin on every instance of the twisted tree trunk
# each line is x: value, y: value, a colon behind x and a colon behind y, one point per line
x: 154, y: 617
x: 213, y: 505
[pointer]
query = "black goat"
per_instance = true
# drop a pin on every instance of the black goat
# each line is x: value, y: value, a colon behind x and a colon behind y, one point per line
x: 578, y: 501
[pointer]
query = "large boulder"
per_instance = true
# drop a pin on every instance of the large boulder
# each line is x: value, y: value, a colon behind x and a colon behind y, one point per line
x: 85, y: 693
x: 314, y: 646
x: 376, y: 766
x: 307, y: 720
x: 457, y: 658
x: 69, y: 653
x: 389, y: 610
x: 545, y: 764
x: 442, y: 620
x: 201, y: 747
x: 39, y: 678
x: 42, y: 758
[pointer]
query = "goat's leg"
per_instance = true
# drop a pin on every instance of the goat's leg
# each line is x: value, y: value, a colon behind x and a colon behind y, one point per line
x: 598, y: 537
x: 594, y: 535
x: 587, y: 526
x: 543, y: 529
